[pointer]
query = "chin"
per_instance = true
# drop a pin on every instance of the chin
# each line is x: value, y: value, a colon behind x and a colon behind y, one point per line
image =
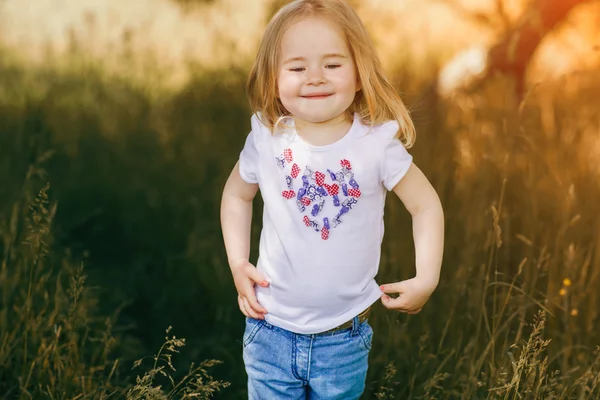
x: 317, y: 117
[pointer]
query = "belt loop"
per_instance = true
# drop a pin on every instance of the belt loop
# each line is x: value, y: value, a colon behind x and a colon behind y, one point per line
x: 355, y: 324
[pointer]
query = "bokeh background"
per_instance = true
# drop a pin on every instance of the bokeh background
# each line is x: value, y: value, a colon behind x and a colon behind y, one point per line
x: 120, y: 122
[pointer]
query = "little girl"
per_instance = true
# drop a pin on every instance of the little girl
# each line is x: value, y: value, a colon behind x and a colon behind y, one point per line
x: 328, y: 140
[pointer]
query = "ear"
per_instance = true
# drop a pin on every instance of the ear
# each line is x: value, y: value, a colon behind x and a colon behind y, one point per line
x: 358, y: 84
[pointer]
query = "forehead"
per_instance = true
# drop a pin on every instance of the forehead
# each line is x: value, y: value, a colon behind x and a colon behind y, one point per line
x: 313, y: 37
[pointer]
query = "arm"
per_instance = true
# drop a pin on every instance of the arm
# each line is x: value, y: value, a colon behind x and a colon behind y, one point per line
x: 423, y: 203
x: 236, y: 218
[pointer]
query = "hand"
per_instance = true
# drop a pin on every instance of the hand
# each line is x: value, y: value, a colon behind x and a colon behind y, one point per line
x: 414, y: 293
x: 245, y: 276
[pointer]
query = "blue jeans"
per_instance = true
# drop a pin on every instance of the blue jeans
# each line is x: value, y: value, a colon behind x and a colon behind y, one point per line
x: 284, y: 365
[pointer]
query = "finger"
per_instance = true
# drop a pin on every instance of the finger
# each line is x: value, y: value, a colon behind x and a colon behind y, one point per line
x: 241, y: 305
x: 397, y: 287
x: 393, y: 304
x: 257, y: 277
x: 251, y: 311
x: 247, y: 310
x: 250, y: 296
x: 253, y: 301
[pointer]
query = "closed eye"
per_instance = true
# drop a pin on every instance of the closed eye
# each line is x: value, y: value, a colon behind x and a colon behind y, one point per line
x: 299, y: 69
x: 332, y: 66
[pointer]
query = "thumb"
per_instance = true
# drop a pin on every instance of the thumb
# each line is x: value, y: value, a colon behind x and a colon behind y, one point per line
x: 386, y: 300
x: 397, y: 287
x: 256, y: 276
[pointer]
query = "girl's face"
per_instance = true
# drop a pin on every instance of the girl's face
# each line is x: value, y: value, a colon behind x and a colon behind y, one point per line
x: 317, y: 78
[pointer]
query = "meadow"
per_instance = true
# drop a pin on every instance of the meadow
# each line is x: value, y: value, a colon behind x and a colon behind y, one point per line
x: 114, y: 282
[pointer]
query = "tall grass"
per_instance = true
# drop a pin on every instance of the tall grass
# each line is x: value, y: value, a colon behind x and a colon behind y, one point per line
x: 514, y: 314
x: 136, y: 176
x: 55, y: 343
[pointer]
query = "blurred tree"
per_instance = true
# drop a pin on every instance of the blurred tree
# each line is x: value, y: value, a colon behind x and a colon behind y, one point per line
x: 513, y: 52
x: 514, y: 49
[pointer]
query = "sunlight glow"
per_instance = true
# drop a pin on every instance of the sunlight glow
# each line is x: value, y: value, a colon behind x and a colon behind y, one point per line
x: 418, y: 35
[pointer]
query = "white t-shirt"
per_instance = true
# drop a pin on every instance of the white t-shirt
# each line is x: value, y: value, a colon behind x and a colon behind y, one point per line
x: 320, y: 243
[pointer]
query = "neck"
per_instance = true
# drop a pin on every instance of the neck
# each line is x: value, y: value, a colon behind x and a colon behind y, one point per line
x: 325, y: 132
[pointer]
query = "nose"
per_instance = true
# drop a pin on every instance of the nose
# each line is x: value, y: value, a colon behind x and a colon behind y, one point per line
x: 315, y: 76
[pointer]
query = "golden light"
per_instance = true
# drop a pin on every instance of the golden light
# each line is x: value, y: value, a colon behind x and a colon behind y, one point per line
x: 420, y: 34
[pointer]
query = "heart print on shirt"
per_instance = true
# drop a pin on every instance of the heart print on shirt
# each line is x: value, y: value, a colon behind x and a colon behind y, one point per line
x: 310, y: 190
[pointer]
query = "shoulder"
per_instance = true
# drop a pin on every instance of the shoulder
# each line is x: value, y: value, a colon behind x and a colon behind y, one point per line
x: 258, y: 127
x: 258, y: 132
x: 386, y: 131
x: 380, y: 134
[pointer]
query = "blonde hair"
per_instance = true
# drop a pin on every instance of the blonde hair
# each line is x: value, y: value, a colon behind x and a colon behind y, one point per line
x: 376, y: 102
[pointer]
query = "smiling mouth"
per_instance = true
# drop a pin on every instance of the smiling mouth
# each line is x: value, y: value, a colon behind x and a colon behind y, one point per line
x: 317, y: 95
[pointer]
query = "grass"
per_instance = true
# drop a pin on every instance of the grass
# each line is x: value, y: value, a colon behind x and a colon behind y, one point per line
x: 126, y: 241
x: 55, y: 343
x: 522, y: 234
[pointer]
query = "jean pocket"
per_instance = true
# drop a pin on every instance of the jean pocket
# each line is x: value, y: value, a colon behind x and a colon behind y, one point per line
x: 366, y: 334
x: 252, y: 328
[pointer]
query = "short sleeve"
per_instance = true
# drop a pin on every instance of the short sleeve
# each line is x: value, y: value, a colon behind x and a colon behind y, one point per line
x: 396, y: 161
x: 249, y: 155
x: 249, y: 160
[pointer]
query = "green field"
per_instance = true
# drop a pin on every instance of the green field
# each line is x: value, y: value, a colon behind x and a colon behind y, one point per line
x: 109, y: 227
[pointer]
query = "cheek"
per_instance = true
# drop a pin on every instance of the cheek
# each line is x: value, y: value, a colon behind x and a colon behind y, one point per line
x: 346, y: 81
x: 287, y: 85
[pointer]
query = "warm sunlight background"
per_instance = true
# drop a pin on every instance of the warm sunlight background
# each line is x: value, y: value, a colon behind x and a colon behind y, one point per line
x: 424, y: 33
x: 134, y: 111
